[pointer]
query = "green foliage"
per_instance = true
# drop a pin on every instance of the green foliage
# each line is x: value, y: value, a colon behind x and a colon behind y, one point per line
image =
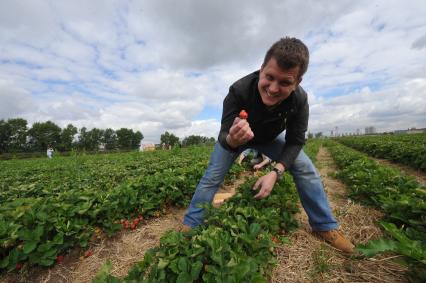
x: 67, y: 138
x: 409, y: 149
x: 235, y: 244
x: 15, y: 137
x: 48, y: 207
x: 197, y: 140
x: 127, y: 139
x: 401, y: 198
x: 43, y: 134
x: 169, y: 139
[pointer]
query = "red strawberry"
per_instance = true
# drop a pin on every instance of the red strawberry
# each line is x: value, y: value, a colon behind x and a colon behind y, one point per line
x: 19, y: 266
x: 125, y: 224
x: 59, y: 258
x: 88, y: 253
x: 243, y: 114
x: 140, y: 217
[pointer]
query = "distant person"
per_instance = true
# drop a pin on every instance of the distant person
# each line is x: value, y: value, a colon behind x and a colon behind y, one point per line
x: 258, y: 161
x: 265, y: 161
x: 274, y: 103
x: 49, y: 152
x: 247, y: 152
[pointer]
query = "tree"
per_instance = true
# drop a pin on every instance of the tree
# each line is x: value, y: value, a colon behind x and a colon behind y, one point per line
x: 136, y: 140
x: 196, y: 140
x: 18, y: 134
x: 124, y: 138
x: 94, y: 139
x: 43, y: 134
x: 83, y: 139
x: 318, y: 135
x: 169, y: 139
x: 110, y: 139
x: 67, y: 137
x: 5, y: 133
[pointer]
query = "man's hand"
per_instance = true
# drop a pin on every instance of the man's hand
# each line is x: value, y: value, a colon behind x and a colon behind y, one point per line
x: 239, y: 133
x: 265, y: 183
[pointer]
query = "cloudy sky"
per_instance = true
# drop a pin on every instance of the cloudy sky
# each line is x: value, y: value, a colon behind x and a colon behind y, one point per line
x: 165, y: 65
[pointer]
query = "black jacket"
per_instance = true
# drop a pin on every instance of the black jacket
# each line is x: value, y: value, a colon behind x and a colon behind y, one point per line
x: 291, y: 115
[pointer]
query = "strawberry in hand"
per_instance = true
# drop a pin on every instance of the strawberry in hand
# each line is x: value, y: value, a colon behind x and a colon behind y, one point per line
x: 243, y: 114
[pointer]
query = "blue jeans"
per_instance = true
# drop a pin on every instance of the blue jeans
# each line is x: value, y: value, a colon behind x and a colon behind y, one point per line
x: 305, y: 176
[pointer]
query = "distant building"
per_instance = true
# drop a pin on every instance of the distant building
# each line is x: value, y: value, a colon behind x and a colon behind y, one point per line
x: 411, y: 131
x: 370, y: 130
x: 147, y: 147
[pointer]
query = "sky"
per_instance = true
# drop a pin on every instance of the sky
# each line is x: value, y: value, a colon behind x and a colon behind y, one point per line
x: 164, y: 65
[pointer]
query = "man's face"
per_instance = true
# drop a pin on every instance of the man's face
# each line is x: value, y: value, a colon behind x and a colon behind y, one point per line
x: 276, y: 84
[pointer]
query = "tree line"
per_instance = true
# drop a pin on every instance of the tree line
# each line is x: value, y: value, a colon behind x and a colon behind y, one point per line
x: 172, y: 140
x: 15, y: 136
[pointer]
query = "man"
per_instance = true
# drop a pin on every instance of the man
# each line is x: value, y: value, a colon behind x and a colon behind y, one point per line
x: 275, y: 102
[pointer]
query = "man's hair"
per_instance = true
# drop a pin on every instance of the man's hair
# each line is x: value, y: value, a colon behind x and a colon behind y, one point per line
x: 289, y: 53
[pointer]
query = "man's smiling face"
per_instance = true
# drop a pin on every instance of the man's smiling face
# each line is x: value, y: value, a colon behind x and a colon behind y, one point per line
x: 276, y: 84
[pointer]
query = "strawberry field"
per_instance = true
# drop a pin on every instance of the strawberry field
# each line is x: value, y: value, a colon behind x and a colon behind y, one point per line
x: 402, y: 199
x: 50, y: 206
x: 405, y: 149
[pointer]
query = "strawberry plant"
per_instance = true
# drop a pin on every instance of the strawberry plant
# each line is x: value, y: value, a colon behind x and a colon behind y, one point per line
x: 235, y: 244
x: 50, y: 207
x: 400, y: 197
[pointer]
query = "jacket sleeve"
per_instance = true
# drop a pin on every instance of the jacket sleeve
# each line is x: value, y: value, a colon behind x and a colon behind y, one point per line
x: 231, y: 108
x: 295, y: 133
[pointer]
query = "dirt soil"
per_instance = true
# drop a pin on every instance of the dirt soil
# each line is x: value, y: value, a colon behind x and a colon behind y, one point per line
x: 305, y: 259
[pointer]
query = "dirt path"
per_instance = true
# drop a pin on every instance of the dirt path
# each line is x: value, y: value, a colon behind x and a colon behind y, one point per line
x: 308, y: 259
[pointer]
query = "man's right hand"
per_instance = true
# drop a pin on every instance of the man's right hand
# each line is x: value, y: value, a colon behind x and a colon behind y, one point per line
x: 239, y: 133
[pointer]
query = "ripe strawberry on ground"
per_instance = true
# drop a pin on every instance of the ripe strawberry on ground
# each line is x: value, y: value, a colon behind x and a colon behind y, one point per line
x: 59, y: 258
x: 88, y: 253
x: 125, y: 224
x: 19, y: 266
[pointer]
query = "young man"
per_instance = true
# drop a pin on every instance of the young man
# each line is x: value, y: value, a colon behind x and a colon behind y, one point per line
x: 275, y: 102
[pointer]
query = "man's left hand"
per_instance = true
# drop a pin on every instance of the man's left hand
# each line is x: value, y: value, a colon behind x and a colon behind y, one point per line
x: 265, y: 183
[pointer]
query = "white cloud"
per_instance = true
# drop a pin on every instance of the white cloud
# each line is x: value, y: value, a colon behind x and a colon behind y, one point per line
x: 157, y: 65
x: 386, y: 110
x: 14, y: 102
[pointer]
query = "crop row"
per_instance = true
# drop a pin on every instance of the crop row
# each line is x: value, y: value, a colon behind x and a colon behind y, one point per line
x: 48, y: 208
x: 401, y: 198
x: 235, y: 244
x: 406, y: 149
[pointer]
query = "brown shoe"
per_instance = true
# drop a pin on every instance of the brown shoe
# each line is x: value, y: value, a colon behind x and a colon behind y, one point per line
x: 336, y: 239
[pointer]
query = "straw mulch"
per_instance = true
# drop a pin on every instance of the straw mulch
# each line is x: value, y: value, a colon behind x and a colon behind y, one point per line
x: 308, y: 259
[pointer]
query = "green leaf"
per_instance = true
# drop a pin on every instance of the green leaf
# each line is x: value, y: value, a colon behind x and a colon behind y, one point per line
x: 183, y: 278
x: 162, y: 263
x: 29, y: 246
x: 183, y: 264
x: 376, y: 246
x: 4, y: 262
x: 195, y: 269
x: 254, y: 229
x: 104, y: 276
